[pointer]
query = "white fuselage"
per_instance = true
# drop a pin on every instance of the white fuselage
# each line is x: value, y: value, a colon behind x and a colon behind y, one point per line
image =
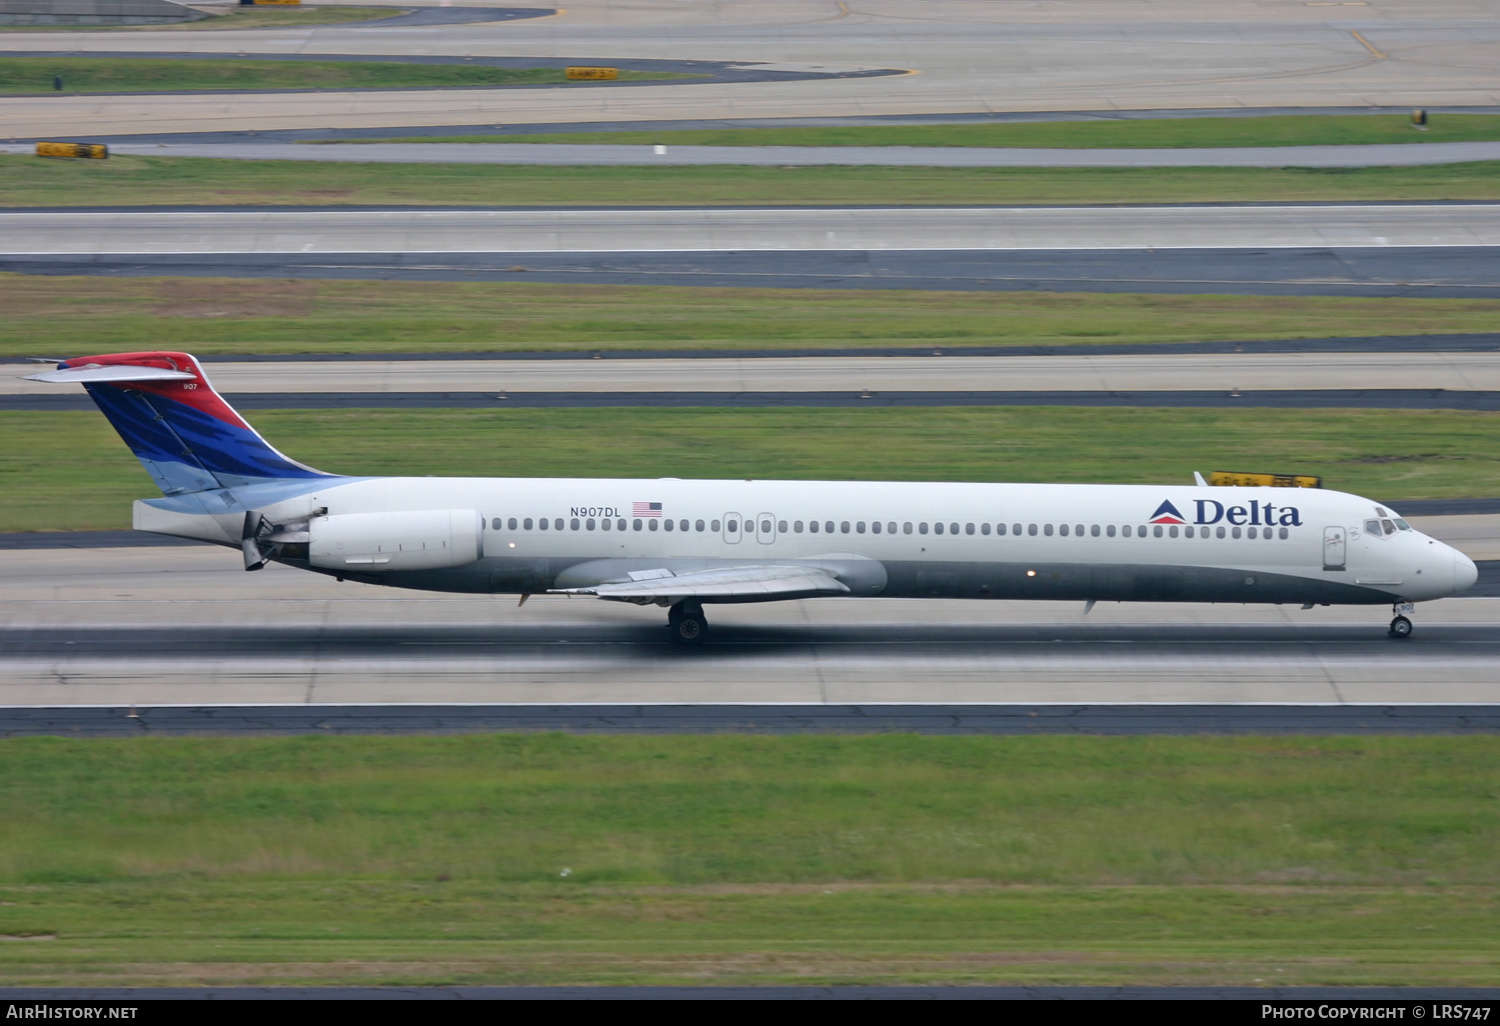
x: 1089, y: 542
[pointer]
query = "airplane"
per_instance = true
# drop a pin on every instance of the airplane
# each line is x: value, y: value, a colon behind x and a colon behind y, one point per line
x: 682, y: 544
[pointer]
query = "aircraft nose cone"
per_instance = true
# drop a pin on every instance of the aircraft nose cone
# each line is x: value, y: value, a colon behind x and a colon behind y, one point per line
x: 1465, y: 573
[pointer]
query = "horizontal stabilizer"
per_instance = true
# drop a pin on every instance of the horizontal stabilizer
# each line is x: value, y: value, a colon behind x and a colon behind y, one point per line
x: 95, y: 374
x: 731, y: 582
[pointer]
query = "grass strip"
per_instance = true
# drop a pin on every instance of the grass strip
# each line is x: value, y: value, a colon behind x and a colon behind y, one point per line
x: 1144, y: 133
x: 69, y: 471
x: 588, y: 859
x: 78, y: 316
x: 151, y: 74
x: 27, y: 181
x: 302, y: 16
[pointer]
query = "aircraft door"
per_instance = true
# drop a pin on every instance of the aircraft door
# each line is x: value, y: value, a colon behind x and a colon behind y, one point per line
x: 766, y: 533
x: 1335, y: 545
x: 732, y: 527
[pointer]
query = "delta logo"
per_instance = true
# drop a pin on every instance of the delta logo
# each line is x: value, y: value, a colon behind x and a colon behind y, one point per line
x: 1210, y: 511
x: 1166, y: 513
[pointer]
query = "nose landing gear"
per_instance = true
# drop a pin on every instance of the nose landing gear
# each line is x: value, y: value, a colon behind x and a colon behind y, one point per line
x: 1400, y: 626
x: 686, y: 622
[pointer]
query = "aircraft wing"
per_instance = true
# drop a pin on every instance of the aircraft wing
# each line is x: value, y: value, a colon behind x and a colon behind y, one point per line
x: 730, y: 582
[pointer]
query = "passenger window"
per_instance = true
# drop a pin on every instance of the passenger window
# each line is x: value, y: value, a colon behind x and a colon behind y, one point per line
x: 859, y: 528
x: 813, y: 527
x: 543, y: 523
x: 713, y: 525
x: 781, y: 527
x: 1094, y: 531
x: 698, y: 526
x: 1125, y: 530
x: 574, y: 524
x: 1188, y: 531
x: 1157, y: 532
x: 922, y: 527
x: 999, y: 528
x: 495, y: 524
x: 1016, y: 529
x: 1110, y: 530
x: 937, y: 528
x: 526, y: 523
x: 1047, y: 530
x: 875, y: 527
x: 682, y: 525
x: 653, y: 524
x: 606, y: 523
x: 731, y: 526
x: 1031, y: 530
x: 844, y: 527
x: 1283, y: 533
x: 589, y: 523
x: 620, y: 524
x: 1062, y: 530
x: 667, y: 524
x: 637, y: 524
x: 1236, y: 532
x: 952, y: 528
x: 797, y: 526
x: 828, y: 527
x: 765, y: 527
x: 1220, y: 532
x: 1250, y: 532
x: 968, y: 529
x: 891, y: 527
x: 1172, y: 531
x: 906, y: 527
x: 557, y: 524
x: 984, y: 529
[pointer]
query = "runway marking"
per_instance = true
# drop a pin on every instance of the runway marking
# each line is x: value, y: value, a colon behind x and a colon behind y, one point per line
x: 1366, y: 44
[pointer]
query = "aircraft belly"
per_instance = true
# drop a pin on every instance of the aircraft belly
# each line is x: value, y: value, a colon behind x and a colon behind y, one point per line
x: 930, y: 579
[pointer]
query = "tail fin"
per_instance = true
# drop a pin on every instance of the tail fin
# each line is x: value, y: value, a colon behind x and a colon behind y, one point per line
x: 186, y: 435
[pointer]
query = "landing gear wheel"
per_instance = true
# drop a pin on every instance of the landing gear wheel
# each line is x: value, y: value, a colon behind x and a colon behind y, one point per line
x: 1400, y: 628
x: 687, y: 624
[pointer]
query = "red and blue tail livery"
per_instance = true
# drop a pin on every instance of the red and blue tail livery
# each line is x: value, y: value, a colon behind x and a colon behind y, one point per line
x: 186, y: 435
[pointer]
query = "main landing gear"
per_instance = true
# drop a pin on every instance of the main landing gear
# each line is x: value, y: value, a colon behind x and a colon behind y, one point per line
x: 686, y: 622
x: 1400, y: 626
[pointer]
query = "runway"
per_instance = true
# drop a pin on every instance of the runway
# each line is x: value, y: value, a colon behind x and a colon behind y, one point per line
x: 187, y: 626
x: 972, y: 57
x: 1435, y: 272
x: 564, y: 155
x: 909, y: 229
x: 726, y: 718
x: 1222, y: 399
x: 1097, y: 373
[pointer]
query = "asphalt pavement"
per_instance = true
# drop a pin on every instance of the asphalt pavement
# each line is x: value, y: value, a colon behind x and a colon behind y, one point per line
x: 722, y: 229
x: 1461, y: 272
x: 565, y: 154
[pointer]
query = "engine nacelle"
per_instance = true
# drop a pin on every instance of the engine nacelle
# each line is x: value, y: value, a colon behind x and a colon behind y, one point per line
x: 430, y: 539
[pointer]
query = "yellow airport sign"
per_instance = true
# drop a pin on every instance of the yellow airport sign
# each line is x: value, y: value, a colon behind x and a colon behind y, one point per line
x: 593, y: 74
x: 1226, y: 478
x: 95, y: 151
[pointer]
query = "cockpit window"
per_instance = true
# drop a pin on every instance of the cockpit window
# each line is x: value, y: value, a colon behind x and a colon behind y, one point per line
x: 1403, y: 525
x: 1390, y: 528
x: 1372, y: 527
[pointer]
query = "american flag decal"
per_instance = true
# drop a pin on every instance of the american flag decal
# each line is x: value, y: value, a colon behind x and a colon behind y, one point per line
x: 645, y: 509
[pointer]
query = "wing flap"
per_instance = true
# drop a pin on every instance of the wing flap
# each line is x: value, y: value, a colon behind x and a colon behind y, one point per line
x: 757, y: 581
